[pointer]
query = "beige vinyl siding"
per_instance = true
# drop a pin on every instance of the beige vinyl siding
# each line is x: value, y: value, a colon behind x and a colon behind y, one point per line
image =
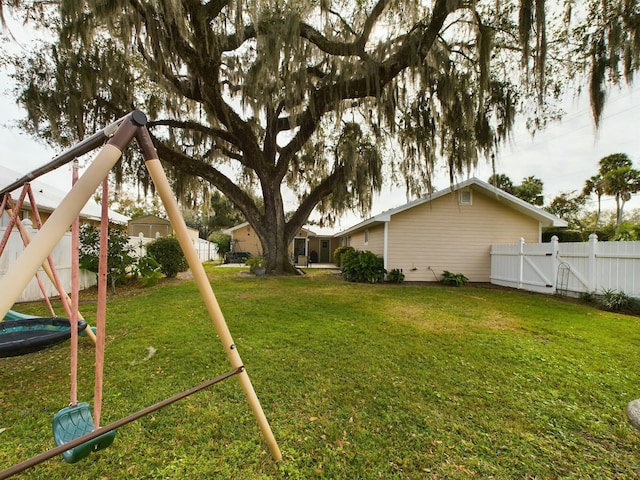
x: 244, y: 239
x: 444, y: 235
x: 376, y: 239
x: 314, y: 246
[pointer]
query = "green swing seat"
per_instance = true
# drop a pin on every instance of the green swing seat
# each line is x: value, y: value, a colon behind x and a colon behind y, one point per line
x: 73, y: 422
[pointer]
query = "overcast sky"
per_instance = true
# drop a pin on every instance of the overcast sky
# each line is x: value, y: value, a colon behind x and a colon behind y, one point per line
x: 563, y: 156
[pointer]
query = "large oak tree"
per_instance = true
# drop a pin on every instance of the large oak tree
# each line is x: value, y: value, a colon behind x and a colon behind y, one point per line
x: 317, y: 99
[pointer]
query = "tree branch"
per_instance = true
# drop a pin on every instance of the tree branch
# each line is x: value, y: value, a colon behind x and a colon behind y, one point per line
x: 310, y: 201
x: 198, y: 127
x: 415, y: 47
x: 191, y: 166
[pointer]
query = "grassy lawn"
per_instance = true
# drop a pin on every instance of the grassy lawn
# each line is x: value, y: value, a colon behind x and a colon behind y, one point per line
x: 357, y: 381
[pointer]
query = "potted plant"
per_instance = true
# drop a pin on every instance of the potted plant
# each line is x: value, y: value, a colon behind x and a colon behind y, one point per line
x: 257, y: 264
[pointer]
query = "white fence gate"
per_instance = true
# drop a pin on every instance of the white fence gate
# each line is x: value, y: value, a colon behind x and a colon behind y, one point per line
x: 570, y: 268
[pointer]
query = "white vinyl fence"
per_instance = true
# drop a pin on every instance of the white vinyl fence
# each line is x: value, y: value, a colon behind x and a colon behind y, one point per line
x: 61, y: 256
x: 207, y: 251
x: 568, y: 268
x: 62, y: 261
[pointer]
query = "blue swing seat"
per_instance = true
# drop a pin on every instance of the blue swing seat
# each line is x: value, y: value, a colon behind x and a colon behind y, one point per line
x: 73, y: 422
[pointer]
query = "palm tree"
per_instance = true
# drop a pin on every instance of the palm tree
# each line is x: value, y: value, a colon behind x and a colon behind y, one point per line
x: 619, y: 180
x: 594, y: 185
x: 501, y: 181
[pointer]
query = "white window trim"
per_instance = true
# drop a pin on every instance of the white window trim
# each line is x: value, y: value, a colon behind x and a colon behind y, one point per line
x: 461, y: 197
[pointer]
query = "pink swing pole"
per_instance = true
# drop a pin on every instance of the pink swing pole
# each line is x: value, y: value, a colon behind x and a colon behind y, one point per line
x: 101, y: 314
x: 73, y: 310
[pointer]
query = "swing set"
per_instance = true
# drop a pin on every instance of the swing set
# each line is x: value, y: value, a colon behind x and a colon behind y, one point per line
x: 76, y: 432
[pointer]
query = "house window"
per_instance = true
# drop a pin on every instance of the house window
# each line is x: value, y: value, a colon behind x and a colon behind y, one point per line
x: 366, y: 237
x: 465, y: 197
x: 299, y: 247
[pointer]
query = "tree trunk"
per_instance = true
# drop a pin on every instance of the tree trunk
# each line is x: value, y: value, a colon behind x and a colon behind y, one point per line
x: 273, y: 233
x: 275, y: 249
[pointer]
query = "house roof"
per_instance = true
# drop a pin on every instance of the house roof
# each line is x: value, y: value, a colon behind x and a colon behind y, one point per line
x: 150, y: 219
x: 545, y: 218
x: 49, y: 197
x: 230, y: 230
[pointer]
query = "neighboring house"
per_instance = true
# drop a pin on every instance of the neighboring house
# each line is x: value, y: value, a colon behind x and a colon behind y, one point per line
x: 150, y: 226
x: 48, y: 198
x: 147, y: 228
x: 307, y: 246
x: 452, y: 229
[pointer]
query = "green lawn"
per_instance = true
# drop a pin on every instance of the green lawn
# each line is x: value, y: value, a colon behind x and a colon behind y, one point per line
x: 357, y: 381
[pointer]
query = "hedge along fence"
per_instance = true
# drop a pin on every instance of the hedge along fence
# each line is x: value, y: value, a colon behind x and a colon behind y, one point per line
x: 207, y: 251
x: 568, y: 268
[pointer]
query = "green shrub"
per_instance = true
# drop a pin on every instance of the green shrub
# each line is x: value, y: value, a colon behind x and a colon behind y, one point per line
x: 395, y: 276
x: 363, y: 266
x: 606, y: 233
x: 455, y: 279
x: 348, y: 256
x: 148, y: 270
x: 588, y: 297
x: 119, y: 253
x: 615, y: 301
x: 563, y: 235
x: 627, y: 232
x: 167, y: 252
x: 256, y: 263
x: 222, y: 241
x: 339, y: 253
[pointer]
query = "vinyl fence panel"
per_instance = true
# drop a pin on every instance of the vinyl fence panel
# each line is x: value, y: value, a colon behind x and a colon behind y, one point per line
x: 207, y: 251
x: 570, y: 268
x: 61, y: 256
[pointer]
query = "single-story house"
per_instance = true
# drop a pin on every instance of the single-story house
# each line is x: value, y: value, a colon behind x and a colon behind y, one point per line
x: 48, y: 198
x: 307, y: 246
x: 452, y: 229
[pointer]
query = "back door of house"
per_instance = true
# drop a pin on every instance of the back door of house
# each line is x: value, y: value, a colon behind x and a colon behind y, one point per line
x: 324, y: 251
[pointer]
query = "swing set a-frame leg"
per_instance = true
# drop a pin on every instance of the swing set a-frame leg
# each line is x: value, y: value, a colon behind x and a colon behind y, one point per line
x: 171, y: 206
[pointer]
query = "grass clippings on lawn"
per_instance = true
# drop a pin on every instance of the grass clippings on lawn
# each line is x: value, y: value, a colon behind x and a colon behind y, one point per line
x: 357, y: 381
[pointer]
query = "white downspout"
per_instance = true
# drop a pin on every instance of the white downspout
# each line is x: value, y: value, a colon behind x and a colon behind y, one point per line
x: 386, y: 245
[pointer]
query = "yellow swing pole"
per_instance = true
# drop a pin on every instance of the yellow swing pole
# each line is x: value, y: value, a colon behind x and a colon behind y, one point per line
x: 164, y: 190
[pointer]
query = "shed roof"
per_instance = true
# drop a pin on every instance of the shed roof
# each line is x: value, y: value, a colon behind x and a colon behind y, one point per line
x: 150, y: 219
x: 230, y: 230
